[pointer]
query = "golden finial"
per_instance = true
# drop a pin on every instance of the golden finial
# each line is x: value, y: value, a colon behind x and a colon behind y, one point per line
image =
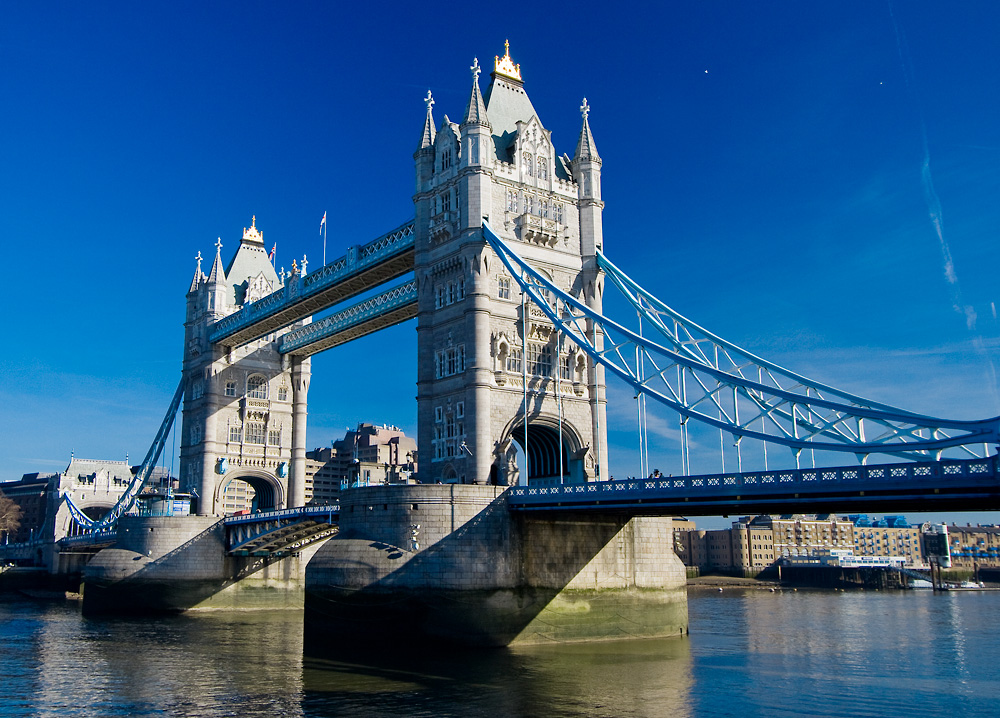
x: 253, y: 221
x: 505, y: 66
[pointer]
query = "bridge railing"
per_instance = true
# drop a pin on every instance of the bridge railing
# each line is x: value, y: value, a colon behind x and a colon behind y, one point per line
x: 296, y: 512
x: 786, y: 481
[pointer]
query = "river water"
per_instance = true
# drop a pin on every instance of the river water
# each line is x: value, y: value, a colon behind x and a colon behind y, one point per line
x: 749, y: 653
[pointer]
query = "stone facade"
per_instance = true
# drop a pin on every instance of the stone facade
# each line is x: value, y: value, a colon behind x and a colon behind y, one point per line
x: 477, y: 343
x: 244, y: 412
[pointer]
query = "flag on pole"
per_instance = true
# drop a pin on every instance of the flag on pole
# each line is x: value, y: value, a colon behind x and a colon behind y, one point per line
x: 322, y: 223
x: 271, y: 255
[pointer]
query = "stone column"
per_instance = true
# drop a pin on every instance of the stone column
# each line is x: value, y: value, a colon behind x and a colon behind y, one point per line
x: 301, y: 371
x: 478, y: 414
x: 209, y: 451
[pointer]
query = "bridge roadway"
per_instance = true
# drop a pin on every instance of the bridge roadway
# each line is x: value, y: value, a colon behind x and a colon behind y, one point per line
x: 957, y: 485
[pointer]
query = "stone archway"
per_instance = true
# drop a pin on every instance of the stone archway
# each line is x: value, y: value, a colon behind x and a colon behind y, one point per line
x: 269, y: 493
x: 542, y: 449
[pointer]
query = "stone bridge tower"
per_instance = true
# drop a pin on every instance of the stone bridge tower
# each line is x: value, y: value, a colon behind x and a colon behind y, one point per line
x: 484, y: 361
x: 245, y: 406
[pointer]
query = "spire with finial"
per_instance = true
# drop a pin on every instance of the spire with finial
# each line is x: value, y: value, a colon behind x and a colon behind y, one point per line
x: 475, y: 112
x: 585, y: 147
x: 198, y: 276
x: 505, y: 66
x: 218, y: 274
x: 427, y: 138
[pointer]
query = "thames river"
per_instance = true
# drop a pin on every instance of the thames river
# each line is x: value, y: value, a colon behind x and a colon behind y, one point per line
x: 749, y: 653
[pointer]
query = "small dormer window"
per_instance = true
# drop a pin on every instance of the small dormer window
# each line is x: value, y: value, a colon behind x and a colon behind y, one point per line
x: 446, y: 159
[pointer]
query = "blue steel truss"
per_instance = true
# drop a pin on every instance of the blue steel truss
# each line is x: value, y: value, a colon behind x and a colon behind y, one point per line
x: 128, y: 498
x: 390, y: 307
x: 388, y: 251
x: 705, y: 378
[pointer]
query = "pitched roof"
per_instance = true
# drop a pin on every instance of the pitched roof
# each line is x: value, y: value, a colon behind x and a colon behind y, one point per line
x: 506, y: 104
x: 250, y: 260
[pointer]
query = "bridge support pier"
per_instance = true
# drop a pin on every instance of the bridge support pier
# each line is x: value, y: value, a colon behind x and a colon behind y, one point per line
x: 173, y: 564
x: 451, y: 564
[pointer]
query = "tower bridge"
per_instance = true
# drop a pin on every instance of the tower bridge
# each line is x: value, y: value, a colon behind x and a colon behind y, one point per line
x: 503, y: 266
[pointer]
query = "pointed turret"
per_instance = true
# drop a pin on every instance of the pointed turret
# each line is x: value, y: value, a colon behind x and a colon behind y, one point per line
x: 218, y: 274
x: 427, y: 137
x: 475, y: 111
x: 198, y: 277
x: 585, y: 147
x: 587, y: 173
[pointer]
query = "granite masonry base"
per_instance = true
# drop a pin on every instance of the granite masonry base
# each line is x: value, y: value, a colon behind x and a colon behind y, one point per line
x: 450, y: 564
x: 173, y: 564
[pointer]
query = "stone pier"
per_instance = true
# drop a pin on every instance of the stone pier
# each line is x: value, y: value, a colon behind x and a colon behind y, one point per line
x: 175, y: 564
x: 474, y: 573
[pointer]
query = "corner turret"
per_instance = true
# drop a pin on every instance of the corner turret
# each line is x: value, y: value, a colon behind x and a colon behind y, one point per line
x: 586, y: 166
x: 424, y: 155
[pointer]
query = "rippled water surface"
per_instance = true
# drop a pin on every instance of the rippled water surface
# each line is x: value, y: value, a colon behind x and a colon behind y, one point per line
x: 750, y: 653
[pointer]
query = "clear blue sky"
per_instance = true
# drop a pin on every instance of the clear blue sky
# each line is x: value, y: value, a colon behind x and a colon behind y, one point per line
x: 778, y: 172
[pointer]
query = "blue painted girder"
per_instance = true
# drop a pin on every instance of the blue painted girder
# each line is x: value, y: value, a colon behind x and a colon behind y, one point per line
x: 277, y: 533
x: 967, y: 484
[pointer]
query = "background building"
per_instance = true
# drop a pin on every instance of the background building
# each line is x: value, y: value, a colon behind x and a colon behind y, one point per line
x: 890, y: 536
x: 973, y: 546
x: 754, y: 544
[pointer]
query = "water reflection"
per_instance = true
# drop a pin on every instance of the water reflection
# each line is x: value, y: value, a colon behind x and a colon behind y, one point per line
x: 806, y: 652
x: 749, y: 654
x: 629, y: 678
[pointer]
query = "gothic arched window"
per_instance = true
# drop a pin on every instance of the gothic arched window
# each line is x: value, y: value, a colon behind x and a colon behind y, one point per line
x: 257, y: 387
x: 542, y: 166
x: 527, y: 164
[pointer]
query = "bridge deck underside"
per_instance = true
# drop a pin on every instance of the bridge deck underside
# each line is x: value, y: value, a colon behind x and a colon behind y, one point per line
x: 342, y: 336
x: 296, y: 309
x: 960, y: 485
x: 279, y: 535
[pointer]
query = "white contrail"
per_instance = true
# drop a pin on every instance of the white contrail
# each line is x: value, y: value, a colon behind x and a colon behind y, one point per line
x: 934, y: 211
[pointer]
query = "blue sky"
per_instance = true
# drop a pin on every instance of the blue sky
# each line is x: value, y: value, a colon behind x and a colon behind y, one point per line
x: 817, y: 182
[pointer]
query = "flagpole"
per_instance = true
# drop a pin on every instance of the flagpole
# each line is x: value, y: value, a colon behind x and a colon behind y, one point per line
x: 324, y: 239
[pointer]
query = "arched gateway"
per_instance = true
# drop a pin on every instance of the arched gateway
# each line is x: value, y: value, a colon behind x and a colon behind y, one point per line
x: 486, y: 359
